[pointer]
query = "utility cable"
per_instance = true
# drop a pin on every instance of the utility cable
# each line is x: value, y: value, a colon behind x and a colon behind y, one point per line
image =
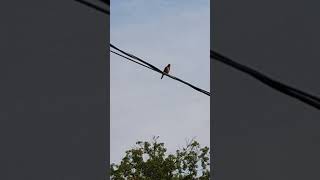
x: 290, y: 91
x: 91, y: 5
x: 150, y: 66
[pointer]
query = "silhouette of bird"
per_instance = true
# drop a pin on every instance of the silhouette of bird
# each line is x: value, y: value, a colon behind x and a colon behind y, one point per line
x: 166, y: 70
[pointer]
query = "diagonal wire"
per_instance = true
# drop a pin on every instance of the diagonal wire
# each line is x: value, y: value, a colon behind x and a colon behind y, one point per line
x: 134, y: 57
x: 130, y: 59
x: 107, y: 2
x: 91, y: 5
x: 290, y: 91
x: 150, y: 66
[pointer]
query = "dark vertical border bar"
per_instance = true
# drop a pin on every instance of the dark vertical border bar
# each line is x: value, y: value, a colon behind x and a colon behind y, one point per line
x: 108, y: 98
x: 54, y: 108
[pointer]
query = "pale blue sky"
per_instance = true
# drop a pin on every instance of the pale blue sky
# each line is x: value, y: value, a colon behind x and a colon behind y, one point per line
x: 142, y: 104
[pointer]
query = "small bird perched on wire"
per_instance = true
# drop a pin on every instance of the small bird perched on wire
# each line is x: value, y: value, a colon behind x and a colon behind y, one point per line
x: 166, y: 70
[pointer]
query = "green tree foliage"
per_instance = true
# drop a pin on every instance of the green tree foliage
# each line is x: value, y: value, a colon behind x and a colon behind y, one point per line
x: 148, y: 161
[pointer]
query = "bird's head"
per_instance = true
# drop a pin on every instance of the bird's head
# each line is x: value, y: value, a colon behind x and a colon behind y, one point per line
x: 168, y: 65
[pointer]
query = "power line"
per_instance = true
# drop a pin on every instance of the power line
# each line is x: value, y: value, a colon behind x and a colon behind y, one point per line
x: 290, y: 91
x: 134, y: 57
x: 130, y: 59
x: 91, y: 5
x: 152, y: 67
x: 107, y: 2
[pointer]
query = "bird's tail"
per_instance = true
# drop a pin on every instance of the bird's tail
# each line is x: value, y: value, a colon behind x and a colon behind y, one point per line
x: 162, y: 76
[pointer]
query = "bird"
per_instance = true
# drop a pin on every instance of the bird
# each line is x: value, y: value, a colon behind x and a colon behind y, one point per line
x: 166, y: 70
